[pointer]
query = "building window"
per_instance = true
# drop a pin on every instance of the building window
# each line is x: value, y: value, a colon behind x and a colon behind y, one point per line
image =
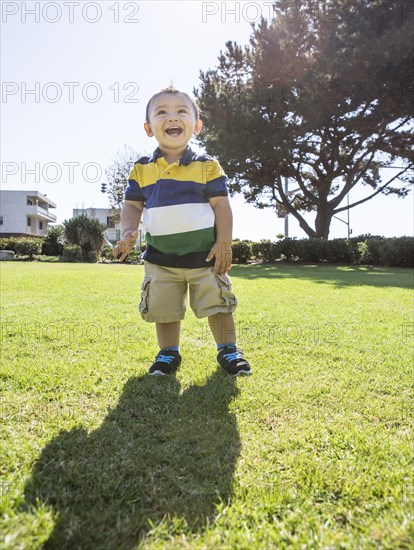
x: 110, y: 222
x: 29, y: 221
x: 29, y: 202
x: 40, y: 225
x: 1, y: 220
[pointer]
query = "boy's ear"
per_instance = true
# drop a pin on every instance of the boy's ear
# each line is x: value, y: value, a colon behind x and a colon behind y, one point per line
x: 198, y: 126
x: 148, y: 129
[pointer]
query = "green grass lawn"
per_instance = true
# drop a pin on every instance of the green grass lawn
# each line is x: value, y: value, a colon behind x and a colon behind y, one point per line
x: 312, y: 451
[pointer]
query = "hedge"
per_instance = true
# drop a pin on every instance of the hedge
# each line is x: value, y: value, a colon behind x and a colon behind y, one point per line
x: 22, y: 246
x: 365, y: 249
x: 72, y: 253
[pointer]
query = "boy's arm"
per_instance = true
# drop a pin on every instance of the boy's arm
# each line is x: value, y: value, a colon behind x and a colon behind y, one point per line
x: 131, y: 213
x: 224, y: 228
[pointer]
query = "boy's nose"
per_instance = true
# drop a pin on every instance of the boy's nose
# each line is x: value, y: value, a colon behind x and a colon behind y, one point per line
x: 173, y: 117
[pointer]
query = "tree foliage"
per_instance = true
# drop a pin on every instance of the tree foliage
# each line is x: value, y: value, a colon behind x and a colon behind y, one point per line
x: 117, y: 178
x: 52, y: 244
x: 88, y: 233
x: 321, y: 96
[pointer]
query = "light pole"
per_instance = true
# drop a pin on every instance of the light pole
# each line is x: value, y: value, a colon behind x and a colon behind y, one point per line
x: 288, y: 193
x: 287, y: 215
x: 376, y: 179
x: 347, y: 223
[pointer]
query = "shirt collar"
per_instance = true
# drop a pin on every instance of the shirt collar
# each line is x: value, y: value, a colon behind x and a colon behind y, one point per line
x: 185, y: 160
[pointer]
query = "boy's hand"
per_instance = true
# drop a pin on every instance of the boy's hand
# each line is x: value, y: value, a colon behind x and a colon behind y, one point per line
x: 125, y: 245
x: 223, y: 253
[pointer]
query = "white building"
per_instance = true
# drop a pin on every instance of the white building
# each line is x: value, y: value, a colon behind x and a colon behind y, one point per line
x: 104, y: 215
x: 25, y: 213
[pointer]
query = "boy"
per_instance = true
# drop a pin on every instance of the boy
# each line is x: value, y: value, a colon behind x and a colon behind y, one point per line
x: 187, y: 216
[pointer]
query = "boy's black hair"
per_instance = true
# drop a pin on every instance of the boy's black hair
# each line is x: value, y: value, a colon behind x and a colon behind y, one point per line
x: 172, y: 90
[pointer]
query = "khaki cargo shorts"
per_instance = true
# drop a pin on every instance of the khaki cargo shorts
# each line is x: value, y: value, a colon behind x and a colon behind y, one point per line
x: 164, y: 293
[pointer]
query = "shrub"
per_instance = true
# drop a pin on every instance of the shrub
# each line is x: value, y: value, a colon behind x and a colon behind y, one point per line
x: 22, y: 246
x: 88, y: 233
x: 363, y: 253
x: 242, y: 251
x: 49, y: 259
x: 8, y: 243
x: 4, y: 244
x: 134, y: 257
x: 92, y: 256
x: 407, y: 249
x: 291, y: 248
x: 72, y: 253
x: 372, y: 253
x: 398, y: 252
x: 52, y: 244
x: 363, y: 249
x: 311, y: 250
x: 338, y: 251
x: 29, y: 247
x: 107, y: 253
x: 264, y: 251
x: 366, y: 248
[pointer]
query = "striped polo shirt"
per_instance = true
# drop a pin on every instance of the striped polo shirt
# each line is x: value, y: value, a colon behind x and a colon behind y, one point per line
x: 178, y: 218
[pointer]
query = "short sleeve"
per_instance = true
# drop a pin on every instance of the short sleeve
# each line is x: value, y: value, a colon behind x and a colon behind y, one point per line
x: 216, y: 180
x: 133, y: 192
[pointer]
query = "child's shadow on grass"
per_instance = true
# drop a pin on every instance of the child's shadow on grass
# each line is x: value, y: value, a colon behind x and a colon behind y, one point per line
x: 157, y: 454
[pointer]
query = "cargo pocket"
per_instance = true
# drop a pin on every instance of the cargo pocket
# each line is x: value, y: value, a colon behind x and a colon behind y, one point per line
x: 227, y: 296
x: 143, y: 305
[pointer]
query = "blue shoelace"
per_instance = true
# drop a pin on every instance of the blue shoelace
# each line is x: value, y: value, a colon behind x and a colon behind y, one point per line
x: 165, y: 358
x: 234, y: 355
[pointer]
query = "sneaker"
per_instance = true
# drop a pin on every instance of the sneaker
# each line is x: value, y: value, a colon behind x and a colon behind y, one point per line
x: 232, y: 361
x: 166, y: 362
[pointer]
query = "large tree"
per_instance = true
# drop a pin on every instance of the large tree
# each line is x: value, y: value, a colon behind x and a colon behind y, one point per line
x: 321, y: 96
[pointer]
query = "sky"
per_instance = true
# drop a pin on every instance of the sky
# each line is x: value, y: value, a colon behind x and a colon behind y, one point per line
x: 76, y: 77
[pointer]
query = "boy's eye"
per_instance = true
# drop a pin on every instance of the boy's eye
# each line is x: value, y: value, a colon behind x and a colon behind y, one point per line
x: 161, y: 112
x: 182, y: 111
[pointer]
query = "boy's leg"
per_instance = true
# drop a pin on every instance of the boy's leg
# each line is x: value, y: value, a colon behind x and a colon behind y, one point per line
x: 168, y: 358
x: 164, y: 297
x: 168, y: 334
x: 229, y: 357
x: 222, y: 328
x: 210, y: 293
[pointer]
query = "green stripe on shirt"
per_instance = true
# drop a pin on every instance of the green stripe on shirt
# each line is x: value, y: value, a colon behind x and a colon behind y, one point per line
x: 200, y: 240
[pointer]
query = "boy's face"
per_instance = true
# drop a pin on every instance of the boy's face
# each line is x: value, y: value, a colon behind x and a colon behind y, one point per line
x: 172, y: 121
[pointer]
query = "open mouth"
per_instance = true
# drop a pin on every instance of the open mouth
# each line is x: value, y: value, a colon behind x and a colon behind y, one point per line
x: 174, y: 131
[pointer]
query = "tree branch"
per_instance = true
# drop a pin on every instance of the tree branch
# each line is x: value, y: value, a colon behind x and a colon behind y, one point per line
x: 351, y: 181
x: 302, y: 223
x: 370, y: 196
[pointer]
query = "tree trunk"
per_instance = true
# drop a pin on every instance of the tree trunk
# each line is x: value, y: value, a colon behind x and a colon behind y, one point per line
x: 302, y: 223
x: 322, y: 223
